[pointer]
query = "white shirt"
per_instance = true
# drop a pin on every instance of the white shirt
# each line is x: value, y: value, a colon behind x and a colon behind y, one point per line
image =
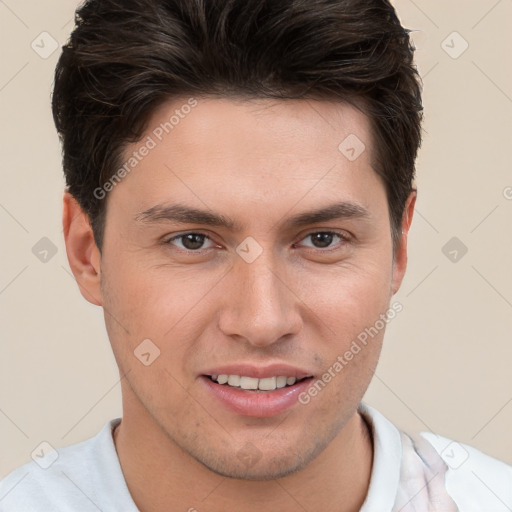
x: 423, y: 473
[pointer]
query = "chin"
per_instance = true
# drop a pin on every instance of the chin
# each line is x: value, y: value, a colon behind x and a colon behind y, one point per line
x: 250, y: 464
x: 260, y: 471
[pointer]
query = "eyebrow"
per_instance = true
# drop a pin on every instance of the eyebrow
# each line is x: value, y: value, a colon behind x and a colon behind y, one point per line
x: 188, y: 215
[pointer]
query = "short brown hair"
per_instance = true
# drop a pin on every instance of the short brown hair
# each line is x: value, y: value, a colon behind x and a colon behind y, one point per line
x: 125, y: 58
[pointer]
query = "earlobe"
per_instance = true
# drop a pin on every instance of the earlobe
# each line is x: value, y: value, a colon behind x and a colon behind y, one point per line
x: 83, y: 255
x: 400, y: 259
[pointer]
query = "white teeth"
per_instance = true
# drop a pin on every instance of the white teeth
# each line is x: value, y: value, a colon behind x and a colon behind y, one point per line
x: 267, y: 384
x: 234, y: 380
x: 248, y: 383
x: 280, y: 382
x: 252, y: 383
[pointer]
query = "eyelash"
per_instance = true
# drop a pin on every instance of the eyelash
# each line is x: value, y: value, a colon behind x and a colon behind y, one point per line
x: 343, y: 237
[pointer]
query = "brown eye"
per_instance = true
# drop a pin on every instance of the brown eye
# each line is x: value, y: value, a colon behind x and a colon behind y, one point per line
x: 189, y: 241
x: 325, y: 239
x: 322, y: 239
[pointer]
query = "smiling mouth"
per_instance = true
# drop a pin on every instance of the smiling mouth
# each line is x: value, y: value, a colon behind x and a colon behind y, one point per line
x: 254, y: 384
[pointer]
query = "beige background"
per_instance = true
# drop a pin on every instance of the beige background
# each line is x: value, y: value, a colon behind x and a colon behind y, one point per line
x: 446, y: 364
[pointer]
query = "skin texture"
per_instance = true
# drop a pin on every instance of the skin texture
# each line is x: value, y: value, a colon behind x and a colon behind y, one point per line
x: 258, y: 162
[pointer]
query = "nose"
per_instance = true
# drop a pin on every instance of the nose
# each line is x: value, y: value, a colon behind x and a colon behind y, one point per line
x: 261, y: 305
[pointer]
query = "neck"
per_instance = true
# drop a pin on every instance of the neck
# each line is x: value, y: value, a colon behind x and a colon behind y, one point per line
x: 162, y: 477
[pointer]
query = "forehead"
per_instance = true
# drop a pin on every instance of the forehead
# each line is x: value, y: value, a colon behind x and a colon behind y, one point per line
x: 246, y: 126
x: 239, y: 152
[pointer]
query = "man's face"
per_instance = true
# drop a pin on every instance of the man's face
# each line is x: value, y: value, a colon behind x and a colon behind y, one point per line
x: 267, y: 297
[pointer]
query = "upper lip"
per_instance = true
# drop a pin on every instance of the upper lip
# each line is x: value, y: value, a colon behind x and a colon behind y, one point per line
x: 259, y: 372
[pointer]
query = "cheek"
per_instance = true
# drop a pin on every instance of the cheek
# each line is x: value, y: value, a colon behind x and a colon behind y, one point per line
x: 351, y: 297
x: 164, y: 305
x: 151, y: 324
x: 348, y: 305
x: 154, y: 299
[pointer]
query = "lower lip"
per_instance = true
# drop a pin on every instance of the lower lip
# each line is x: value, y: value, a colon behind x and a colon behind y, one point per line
x: 261, y: 404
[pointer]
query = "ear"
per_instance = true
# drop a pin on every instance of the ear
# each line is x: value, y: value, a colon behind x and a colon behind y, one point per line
x: 400, y: 259
x: 83, y: 255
